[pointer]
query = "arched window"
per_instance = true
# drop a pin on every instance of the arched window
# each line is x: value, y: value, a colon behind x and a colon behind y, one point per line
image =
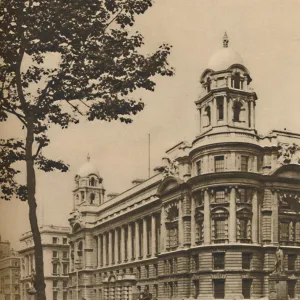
x: 92, y: 181
x: 220, y: 107
x: 236, y: 80
x: 208, y: 84
x: 237, y: 107
x: 207, y: 115
x: 172, y: 227
x: 92, y: 198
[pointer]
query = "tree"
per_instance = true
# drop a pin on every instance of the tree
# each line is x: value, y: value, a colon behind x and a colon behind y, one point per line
x: 101, y: 64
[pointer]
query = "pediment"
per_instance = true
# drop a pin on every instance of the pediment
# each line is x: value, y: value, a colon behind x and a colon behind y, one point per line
x: 169, y: 183
x: 288, y: 171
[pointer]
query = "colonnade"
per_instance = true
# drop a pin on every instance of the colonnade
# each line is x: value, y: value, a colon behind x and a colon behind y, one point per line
x: 136, y: 240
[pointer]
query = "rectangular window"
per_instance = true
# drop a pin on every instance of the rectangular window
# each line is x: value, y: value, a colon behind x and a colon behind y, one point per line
x: 65, y: 241
x: 155, y: 270
x: 65, y: 295
x: 54, y: 282
x: 65, y: 254
x: 219, y: 260
x: 147, y: 271
x: 196, y: 262
x: 244, y: 163
x: 284, y: 231
x: 55, y: 295
x: 220, y: 196
x: 55, y: 269
x: 155, y: 292
x: 196, y: 288
x: 246, y: 288
x: 138, y: 272
x: 54, y: 254
x: 243, y: 228
x: 198, y: 167
x: 219, y: 288
x: 246, y: 260
x: 54, y: 240
x: 65, y: 284
x: 65, y: 269
x: 219, y: 163
x: 171, y: 269
x: 220, y: 233
x: 292, y: 288
x: 291, y: 261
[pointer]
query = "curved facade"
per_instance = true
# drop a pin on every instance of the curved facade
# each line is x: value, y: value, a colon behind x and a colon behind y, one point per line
x: 207, y: 225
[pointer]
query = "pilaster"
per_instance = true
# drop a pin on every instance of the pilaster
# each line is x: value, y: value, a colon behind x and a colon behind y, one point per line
x: 232, y: 215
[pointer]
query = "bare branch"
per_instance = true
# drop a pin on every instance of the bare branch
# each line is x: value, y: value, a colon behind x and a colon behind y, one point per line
x: 75, y: 108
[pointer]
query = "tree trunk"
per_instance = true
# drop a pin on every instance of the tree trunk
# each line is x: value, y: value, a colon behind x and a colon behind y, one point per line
x: 31, y: 188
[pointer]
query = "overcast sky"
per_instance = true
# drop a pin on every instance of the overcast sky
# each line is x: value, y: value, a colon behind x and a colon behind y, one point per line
x: 267, y: 36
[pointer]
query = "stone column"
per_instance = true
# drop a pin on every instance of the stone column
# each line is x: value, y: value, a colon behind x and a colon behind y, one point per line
x: 129, y: 242
x: 275, y: 221
x: 252, y: 114
x: 255, y: 214
x: 225, y: 110
x: 232, y: 215
x: 145, y: 232
x: 137, y: 240
x: 153, y: 235
x: 122, y: 244
x: 180, y: 224
x: 99, y: 250
x: 110, y: 247
x: 207, y: 218
x: 116, y: 246
x: 214, y: 113
x: 200, y: 118
x: 163, y: 231
x: 104, y: 249
x: 193, y: 221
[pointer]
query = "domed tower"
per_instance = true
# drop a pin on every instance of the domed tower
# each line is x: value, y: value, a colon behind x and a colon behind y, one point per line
x: 89, y: 189
x: 227, y: 100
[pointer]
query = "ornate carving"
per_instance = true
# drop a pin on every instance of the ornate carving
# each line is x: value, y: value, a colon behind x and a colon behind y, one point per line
x: 171, y: 167
x: 288, y: 153
x: 279, y: 268
x: 289, y: 198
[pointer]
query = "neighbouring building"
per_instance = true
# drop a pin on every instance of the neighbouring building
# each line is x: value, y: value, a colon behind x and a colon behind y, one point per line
x: 207, y: 225
x: 4, y: 248
x: 10, y: 276
x: 55, y: 244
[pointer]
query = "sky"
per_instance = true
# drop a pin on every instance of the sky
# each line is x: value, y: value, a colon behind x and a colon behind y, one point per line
x: 267, y: 36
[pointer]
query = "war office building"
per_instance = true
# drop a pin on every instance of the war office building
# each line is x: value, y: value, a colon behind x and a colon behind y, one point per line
x: 207, y: 225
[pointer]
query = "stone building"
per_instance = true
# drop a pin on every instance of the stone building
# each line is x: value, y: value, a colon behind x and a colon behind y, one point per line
x: 207, y: 225
x: 55, y: 244
x: 4, y: 248
x: 10, y: 276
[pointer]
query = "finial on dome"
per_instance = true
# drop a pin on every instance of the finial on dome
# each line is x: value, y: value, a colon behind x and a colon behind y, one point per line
x: 225, y: 40
x: 88, y: 157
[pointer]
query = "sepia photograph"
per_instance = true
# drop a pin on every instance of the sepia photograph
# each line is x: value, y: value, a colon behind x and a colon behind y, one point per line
x: 149, y: 150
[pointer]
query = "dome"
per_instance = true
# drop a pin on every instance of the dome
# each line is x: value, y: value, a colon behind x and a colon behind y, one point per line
x: 87, y: 169
x: 223, y: 59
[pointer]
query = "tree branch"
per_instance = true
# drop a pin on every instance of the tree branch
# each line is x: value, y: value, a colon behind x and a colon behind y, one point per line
x: 75, y: 108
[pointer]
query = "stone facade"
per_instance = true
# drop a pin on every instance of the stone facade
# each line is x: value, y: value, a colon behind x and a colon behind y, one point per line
x: 207, y: 225
x: 55, y: 244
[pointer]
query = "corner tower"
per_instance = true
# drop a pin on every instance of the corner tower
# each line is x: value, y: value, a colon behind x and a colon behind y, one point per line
x: 227, y: 101
x: 89, y: 189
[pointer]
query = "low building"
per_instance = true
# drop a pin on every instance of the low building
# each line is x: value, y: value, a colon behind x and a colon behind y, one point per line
x: 208, y: 224
x: 56, y: 261
x: 10, y: 277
